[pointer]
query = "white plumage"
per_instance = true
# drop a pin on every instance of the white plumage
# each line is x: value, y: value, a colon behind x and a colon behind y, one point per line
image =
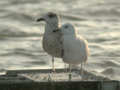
x: 63, y: 42
x: 75, y: 47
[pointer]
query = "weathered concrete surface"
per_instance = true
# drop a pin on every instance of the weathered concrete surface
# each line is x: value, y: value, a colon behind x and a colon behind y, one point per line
x: 45, y: 80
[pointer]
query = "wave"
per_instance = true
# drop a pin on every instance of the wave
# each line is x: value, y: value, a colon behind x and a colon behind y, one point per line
x: 11, y: 31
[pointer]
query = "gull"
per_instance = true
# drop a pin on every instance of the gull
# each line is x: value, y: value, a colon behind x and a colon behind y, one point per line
x: 74, y: 47
x: 52, y: 35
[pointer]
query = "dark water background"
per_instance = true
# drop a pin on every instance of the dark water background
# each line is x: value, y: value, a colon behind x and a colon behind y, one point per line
x: 96, y: 20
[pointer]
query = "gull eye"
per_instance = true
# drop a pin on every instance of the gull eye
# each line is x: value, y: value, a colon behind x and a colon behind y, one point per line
x: 66, y: 26
x: 51, y: 15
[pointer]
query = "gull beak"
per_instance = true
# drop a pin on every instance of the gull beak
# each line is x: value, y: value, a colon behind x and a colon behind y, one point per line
x: 40, y: 19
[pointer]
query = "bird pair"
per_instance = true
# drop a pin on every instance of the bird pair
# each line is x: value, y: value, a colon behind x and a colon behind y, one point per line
x: 63, y: 41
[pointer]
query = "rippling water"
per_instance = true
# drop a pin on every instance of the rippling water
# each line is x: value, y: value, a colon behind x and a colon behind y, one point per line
x: 97, y: 21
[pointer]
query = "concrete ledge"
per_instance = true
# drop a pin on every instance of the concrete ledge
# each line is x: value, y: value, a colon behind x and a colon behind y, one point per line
x: 73, y: 85
x: 51, y: 86
x: 13, y: 81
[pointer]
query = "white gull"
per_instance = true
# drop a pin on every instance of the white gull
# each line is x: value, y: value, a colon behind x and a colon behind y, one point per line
x: 74, y: 47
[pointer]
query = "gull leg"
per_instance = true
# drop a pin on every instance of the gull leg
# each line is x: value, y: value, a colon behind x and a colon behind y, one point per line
x: 70, y: 74
x: 53, y: 68
x: 49, y: 78
x: 81, y: 70
x: 65, y: 66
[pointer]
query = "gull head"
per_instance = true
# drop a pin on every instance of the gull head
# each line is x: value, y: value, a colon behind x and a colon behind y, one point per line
x: 49, y: 18
x: 68, y: 29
